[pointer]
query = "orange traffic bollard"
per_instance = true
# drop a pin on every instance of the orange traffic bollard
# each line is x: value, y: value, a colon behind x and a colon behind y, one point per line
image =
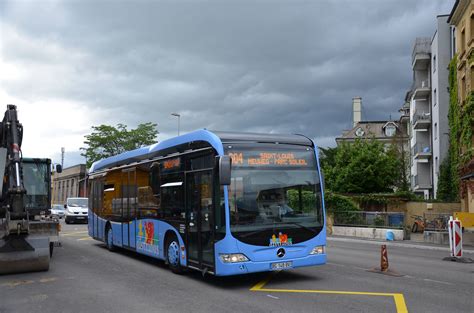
x: 383, y: 259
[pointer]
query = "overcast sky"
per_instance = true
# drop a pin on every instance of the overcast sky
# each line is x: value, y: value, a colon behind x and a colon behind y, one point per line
x: 260, y: 66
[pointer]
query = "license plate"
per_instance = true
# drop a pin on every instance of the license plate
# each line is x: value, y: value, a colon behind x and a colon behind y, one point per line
x: 281, y: 265
x: 81, y: 217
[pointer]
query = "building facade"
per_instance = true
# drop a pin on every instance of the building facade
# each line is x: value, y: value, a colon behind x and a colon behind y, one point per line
x: 440, y: 58
x: 386, y: 132
x: 462, y: 18
x: 70, y: 183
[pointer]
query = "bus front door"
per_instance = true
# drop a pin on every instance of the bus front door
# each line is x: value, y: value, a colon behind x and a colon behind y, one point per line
x: 199, y: 212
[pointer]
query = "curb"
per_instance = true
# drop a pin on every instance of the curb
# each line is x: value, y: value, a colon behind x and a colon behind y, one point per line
x: 396, y: 244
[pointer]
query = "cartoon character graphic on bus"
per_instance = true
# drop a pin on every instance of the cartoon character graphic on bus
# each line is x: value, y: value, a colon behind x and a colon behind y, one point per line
x: 149, y: 232
x: 281, y: 240
x: 147, y: 239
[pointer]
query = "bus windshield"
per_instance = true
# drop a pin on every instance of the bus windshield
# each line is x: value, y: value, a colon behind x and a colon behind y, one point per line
x: 275, y: 189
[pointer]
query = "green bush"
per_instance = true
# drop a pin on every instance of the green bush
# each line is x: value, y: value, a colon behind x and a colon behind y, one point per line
x: 344, y: 209
x: 338, y: 203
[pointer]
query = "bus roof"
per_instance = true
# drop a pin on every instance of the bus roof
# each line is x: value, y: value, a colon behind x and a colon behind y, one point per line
x: 213, y: 138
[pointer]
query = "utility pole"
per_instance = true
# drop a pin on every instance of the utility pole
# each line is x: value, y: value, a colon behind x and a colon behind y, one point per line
x: 62, y: 156
x: 178, y: 116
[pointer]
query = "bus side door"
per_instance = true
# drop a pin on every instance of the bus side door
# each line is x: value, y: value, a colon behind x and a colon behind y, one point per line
x: 129, y: 205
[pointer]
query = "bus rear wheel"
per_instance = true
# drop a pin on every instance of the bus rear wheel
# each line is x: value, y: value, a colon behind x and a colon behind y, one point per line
x: 172, y: 254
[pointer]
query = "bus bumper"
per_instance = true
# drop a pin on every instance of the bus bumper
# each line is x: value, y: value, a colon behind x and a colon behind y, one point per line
x: 228, y: 269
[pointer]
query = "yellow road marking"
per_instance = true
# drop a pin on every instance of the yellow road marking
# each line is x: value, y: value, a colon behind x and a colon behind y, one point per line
x: 85, y: 238
x: 15, y: 283
x: 400, y: 303
x: 398, y: 297
x: 260, y: 285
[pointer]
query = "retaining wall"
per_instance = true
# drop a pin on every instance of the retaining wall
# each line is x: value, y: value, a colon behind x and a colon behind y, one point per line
x: 366, y: 232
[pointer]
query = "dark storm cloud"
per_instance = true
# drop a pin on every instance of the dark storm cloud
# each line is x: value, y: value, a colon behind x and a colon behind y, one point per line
x: 252, y: 66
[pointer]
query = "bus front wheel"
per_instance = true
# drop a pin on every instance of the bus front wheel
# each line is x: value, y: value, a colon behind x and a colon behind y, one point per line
x: 172, y: 255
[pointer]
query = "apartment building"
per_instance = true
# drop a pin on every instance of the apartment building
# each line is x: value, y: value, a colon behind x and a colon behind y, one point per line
x: 428, y: 99
x: 419, y: 99
x: 387, y: 132
x: 462, y: 18
x: 70, y: 183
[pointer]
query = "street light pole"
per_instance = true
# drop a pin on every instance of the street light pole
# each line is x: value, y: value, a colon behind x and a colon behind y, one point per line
x: 179, y: 117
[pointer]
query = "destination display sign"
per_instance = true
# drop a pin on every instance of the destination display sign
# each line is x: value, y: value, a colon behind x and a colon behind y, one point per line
x: 172, y: 164
x: 273, y: 159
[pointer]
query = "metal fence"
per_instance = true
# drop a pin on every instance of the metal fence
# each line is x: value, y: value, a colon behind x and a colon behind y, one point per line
x: 436, y: 221
x: 370, y: 219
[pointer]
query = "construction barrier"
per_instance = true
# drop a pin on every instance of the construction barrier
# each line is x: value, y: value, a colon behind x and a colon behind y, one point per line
x: 466, y: 218
x: 455, y: 237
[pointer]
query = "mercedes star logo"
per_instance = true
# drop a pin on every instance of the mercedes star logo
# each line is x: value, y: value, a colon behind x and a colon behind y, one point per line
x: 281, y: 252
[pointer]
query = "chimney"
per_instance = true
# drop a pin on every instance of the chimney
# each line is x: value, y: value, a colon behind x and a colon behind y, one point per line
x: 356, y: 110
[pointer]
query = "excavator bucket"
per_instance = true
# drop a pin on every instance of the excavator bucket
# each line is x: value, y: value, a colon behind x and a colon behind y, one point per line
x: 20, y: 254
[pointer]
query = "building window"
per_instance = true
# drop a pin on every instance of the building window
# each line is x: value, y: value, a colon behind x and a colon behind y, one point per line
x: 436, y: 167
x: 435, y: 98
x: 434, y: 63
x: 472, y: 27
x: 453, y: 50
x: 436, y: 130
x: 472, y: 79
x: 390, y: 130
x: 463, y: 40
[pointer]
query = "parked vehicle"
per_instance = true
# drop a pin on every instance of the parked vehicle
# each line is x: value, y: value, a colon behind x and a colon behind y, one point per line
x: 57, y: 210
x: 76, y: 210
x: 418, y: 225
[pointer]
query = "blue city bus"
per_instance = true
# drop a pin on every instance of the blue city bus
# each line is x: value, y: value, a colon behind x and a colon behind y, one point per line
x: 223, y: 203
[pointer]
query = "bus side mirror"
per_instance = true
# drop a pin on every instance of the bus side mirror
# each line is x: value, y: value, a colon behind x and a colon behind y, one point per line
x: 225, y: 163
x: 59, y: 168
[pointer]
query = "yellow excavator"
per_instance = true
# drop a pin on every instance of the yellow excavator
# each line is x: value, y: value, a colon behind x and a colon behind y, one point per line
x: 28, y: 233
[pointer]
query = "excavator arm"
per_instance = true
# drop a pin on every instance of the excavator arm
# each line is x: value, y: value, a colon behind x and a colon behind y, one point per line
x: 25, y: 243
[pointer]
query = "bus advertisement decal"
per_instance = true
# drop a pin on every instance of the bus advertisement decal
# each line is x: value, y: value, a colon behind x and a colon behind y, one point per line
x: 147, y: 239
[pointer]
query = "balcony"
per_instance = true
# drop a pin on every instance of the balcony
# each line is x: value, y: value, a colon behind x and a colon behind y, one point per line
x: 421, y: 120
x: 421, y: 183
x: 421, y: 90
x: 421, y: 151
x: 421, y: 54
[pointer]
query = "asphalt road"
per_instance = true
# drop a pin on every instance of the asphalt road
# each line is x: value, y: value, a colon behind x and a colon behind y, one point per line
x: 86, y: 277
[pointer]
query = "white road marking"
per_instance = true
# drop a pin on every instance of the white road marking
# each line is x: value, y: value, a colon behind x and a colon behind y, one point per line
x: 437, y: 281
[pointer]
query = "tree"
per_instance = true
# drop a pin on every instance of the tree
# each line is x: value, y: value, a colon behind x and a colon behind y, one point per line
x: 364, y: 166
x: 106, y: 140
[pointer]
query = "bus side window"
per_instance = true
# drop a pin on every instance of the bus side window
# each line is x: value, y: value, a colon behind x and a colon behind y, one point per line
x: 172, y: 196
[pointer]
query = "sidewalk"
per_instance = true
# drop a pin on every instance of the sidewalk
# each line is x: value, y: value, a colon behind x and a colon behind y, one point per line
x: 404, y: 244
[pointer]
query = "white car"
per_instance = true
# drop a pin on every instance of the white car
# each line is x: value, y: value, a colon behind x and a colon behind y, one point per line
x: 57, y: 210
x: 76, y: 210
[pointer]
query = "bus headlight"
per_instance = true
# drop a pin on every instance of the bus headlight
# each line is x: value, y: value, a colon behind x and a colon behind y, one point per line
x: 317, y: 250
x: 233, y: 258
